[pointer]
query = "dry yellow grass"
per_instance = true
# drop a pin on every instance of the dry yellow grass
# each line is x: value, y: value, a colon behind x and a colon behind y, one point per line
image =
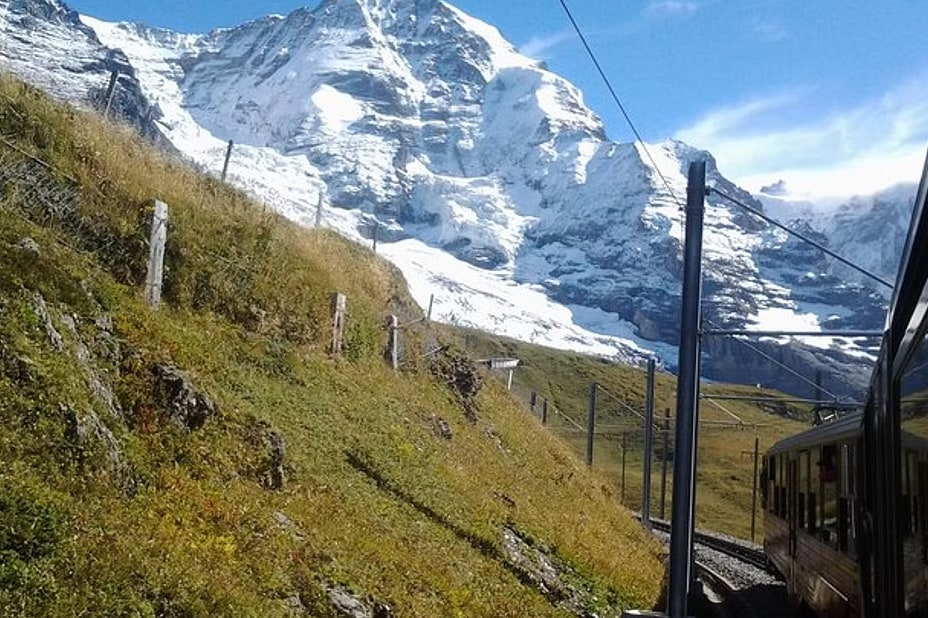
x: 726, y: 435
x: 374, y: 498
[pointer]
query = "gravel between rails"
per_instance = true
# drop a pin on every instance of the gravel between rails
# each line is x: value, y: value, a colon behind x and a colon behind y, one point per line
x: 755, y: 591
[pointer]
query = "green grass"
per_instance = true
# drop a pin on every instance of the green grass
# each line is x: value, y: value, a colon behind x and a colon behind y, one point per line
x: 111, y: 508
x: 726, y: 434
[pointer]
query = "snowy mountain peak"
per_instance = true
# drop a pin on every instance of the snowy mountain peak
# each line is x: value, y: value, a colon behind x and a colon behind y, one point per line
x: 48, y: 10
x: 485, y: 177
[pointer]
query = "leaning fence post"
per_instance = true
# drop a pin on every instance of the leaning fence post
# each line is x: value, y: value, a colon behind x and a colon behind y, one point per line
x: 319, y: 211
x: 159, y: 236
x: 110, y: 91
x: 339, y: 303
x: 393, y: 341
x: 225, y: 165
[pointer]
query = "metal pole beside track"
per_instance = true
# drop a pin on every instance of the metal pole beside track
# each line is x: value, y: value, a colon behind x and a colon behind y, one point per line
x: 681, y: 542
x: 648, y: 447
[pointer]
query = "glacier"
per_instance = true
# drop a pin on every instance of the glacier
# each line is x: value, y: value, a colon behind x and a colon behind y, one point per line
x: 485, y: 177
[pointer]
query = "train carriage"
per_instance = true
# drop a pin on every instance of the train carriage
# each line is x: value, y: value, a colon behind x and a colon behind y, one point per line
x: 809, y: 488
x: 846, y: 503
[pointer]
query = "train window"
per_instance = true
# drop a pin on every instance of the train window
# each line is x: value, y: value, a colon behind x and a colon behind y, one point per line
x: 846, y: 541
x: 910, y: 493
x: 913, y: 410
x: 783, y: 480
x: 780, y: 507
x: 828, y: 465
x: 775, y: 496
x: 766, y: 481
x: 801, y: 508
x: 813, y: 499
x: 922, y: 514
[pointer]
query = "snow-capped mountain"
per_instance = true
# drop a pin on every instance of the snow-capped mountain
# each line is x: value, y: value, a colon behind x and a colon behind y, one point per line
x: 489, y: 182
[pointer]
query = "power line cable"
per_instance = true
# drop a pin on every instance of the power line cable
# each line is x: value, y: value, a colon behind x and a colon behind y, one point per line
x: 618, y: 101
x: 802, y: 237
x: 631, y: 124
x: 779, y: 364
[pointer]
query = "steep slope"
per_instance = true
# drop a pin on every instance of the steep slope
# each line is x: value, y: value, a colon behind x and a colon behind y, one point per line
x: 485, y: 178
x: 211, y: 459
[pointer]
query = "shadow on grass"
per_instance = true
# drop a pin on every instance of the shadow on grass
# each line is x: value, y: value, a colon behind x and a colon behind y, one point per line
x: 487, y: 548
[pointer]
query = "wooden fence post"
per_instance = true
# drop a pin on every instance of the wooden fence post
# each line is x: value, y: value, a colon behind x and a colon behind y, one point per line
x: 339, y: 304
x: 544, y: 411
x: 393, y: 341
x: 319, y: 212
x: 225, y: 165
x: 110, y: 91
x: 159, y: 236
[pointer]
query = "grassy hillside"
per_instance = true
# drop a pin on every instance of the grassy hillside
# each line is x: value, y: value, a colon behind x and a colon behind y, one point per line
x: 211, y: 459
x: 726, y: 434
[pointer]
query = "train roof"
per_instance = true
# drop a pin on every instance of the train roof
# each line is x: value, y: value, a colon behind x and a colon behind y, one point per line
x: 845, y: 428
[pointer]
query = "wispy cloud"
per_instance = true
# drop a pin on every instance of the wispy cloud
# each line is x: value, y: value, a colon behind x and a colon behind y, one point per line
x: 669, y: 8
x: 853, y: 150
x: 771, y: 30
x: 540, y: 46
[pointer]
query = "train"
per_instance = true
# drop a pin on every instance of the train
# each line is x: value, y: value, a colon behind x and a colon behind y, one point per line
x: 846, y: 502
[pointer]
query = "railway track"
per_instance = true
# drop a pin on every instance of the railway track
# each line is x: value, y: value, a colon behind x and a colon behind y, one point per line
x: 738, y: 575
x: 754, y: 557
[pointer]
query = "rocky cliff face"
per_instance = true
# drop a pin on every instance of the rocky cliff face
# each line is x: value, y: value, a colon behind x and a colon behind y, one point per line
x: 490, y: 183
x: 46, y: 43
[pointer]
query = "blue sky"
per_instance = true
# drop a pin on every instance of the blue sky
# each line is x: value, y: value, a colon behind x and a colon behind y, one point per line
x: 831, y: 95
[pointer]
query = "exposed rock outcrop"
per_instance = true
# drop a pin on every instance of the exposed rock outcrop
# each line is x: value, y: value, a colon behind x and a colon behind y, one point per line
x: 184, y: 403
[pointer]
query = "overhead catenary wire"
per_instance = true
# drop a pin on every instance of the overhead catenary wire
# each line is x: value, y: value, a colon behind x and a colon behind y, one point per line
x: 618, y: 101
x: 567, y: 418
x: 725, y: 410
x: 779, y: 364
x: 624, y: 404
x: 666, y: 183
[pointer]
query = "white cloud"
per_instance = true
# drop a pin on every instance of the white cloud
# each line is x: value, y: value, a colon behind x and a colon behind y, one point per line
x: 670, y: 8
x: 771, y: 30
x: 854, y: 150
x: 540, y: 46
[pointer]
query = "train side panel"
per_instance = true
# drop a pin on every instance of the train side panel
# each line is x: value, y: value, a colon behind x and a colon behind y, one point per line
x: 826, y: 579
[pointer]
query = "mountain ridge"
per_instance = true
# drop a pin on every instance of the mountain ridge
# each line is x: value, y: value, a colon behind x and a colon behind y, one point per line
x: 424, y: 123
